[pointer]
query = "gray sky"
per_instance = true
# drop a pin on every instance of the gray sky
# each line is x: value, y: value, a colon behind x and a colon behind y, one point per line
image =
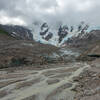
x: 25, y: 12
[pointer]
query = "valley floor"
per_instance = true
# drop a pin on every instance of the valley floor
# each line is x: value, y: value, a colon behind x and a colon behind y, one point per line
x: 29, y: 83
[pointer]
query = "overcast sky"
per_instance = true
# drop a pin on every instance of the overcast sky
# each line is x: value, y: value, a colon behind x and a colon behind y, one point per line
x: 25, y: 12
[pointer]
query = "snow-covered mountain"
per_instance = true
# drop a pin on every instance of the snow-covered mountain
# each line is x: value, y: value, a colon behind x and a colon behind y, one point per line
x: 44, y: 33
x: 47, y: 34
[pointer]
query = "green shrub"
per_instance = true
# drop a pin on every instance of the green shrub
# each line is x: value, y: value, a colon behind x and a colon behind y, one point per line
x: 3, y: 32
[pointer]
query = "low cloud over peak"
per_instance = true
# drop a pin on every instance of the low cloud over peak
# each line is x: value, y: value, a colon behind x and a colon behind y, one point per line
x: 25, y: 12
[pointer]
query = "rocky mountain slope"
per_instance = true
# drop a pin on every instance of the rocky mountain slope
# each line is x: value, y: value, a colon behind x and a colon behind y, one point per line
x: 88, y: 39
x: 14, y: 52
x: 91, y: 52
x: 32, y: 70
x: 18, y: 32
x: 19, y: 49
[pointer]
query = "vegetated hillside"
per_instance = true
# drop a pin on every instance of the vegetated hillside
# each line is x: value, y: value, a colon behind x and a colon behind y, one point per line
x: 14, y: 52
x: 4, y: 35
x: 3, y: 32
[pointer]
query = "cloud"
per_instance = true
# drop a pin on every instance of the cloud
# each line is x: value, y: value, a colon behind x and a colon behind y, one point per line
x: 52, y: 11
x: 4, y: 19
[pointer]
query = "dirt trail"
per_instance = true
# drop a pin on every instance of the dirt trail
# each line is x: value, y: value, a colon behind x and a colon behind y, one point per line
x: 47, y: 84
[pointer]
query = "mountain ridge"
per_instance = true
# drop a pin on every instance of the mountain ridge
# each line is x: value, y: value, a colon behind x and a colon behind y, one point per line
x: 19, y: 32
